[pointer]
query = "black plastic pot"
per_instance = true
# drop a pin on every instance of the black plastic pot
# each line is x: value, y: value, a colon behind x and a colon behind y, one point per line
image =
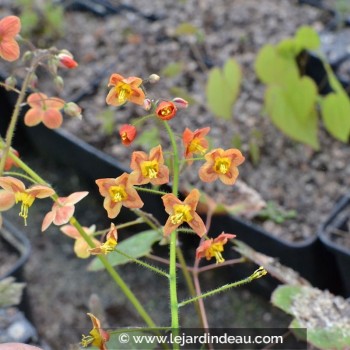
x: 15, y: 241
x: 339, y: 220
x: 309, y: 257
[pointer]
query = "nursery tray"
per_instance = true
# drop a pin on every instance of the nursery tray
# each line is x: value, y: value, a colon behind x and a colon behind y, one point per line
x: 339, y: 219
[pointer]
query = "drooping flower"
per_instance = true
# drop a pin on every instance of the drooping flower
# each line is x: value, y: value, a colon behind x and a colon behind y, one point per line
x: 15, y: 192
x: 97, y: 336
x: 221, y: 164
x: 108, y: 246
x: 66, y: 60
x: 149, y: 169
x: 44, y: 109
x: 118, y: 192
x: 10, y: 26
x: 62, y: 210
x: 166, y: 110
x: 212, y: 248
x: 81, y: 248
x: 125, y: 89
x: 195, y: 142
x: 180, y: 212
x: 9, y: 162
x: 180, y: 103
x: 127, y: 133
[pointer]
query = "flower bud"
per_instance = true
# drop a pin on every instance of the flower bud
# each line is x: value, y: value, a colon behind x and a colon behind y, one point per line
x: 72, y: 110
x: 66, y: 60
x: 59, y: 83
x: 166, y: 110
x: 53, y: 64
x: 10, y: 82
x: 27, y: 56
x: 147, y: 104
x: 127, y: 133
x: 153, y: 78
x: 180, y: 103
x: 33, y: 83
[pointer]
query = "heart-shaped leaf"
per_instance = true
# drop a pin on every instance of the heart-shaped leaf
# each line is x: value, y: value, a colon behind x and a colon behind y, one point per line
x: 136, y: 246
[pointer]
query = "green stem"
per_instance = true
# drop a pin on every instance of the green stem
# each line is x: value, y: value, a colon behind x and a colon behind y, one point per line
x: 150, y: 190
x: 112, y: 272
x: 116, y: 277
x: 257, y: 274
x: 142, y: 263
x: 174, y: 306
x: 14, y: 118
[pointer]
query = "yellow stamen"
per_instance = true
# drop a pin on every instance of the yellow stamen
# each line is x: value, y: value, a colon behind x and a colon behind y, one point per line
x: 108, y: 246
x: 150, y: 169
x: 117, y: 193
x: 124, y: 136
x: 123, y: 92
x: 166, y: 111
x: 195, y: 147
x: 181, y: 214
x: 222, y: 165
x: 215, y: 251
x: 86, y: 340
x: 27, y: 200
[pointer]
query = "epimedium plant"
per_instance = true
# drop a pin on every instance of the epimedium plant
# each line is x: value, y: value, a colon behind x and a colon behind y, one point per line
x: 292, y: 99
x: 148, y: 171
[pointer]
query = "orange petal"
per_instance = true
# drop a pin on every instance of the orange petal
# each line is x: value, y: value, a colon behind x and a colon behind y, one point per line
x: 169, y: 200
x: 136, y: 158
x: 135, y: 82
x: 137, y: 96
x: 230, y: 177
x: 52, y: 118
x: 104, y: 185
x: 10, y: 26
x: 7, y: 200
x: 33, y: 117
x: 37, y: 99
x: 12, y: 184
x: 41, y: 191
x: 112, y: 99
x: 112, y: 208
x: 114, y: 79
x: 70, y: 231
x: 81, y: 248
x: 55, y: 103
x: 63, y: 215
x: 197, y: 225
x: 9, y: 49
x: 192, y: 199
x: 48, y: 219
x: 206, y: 173
x: 169, y: 227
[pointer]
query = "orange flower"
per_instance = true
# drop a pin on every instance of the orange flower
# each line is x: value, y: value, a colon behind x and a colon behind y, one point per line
x: 109, y: 245
x: 9, y: 28
x: 62, y: 210
x: 118, y: 192
x: 15, y: 191
x: 9, y: 162
x: 181, y: 212
x: 97, y: 336
x: 166, y: 110
x: 194, y: 142
x: 81, y: 248
x: 127, y: 133
x: 44, y: 109
x: 149, y: 169
x: 221, y: 164
x: 212, y: 248
x: 124, y: 89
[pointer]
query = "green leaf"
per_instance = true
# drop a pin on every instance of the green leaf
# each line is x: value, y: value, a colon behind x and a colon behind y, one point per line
x: 222, y: 88
x: 335, y: 109
x: 283, y: 296
x: 149, y: 138
x: 291, y: 107
x: 272, y: 67
x: 10, y: 292
x: 333, y: 336
x: 307, y: 38
x: 136, y: 246
x: 172, y: 69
